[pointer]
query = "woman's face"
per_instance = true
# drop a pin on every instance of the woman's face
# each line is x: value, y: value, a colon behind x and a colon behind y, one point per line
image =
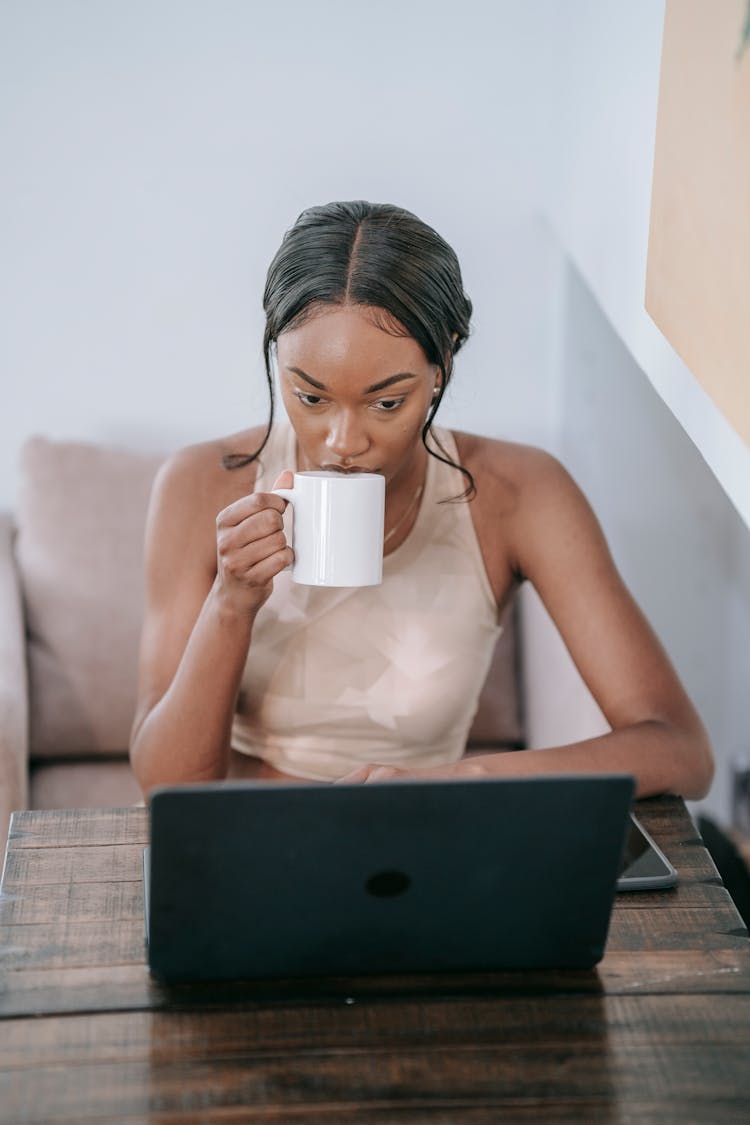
x: 356, y: 396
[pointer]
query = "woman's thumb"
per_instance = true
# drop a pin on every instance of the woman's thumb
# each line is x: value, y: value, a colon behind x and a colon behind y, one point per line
x: 285, y: 480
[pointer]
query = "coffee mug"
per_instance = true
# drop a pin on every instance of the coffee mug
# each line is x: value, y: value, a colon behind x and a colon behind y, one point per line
x: 338, y: 528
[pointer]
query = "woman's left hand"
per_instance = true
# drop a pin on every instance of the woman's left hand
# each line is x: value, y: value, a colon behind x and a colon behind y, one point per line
x: 373, y: 772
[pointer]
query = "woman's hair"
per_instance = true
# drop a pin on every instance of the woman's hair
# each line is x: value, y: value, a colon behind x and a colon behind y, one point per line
x: 383, y: 258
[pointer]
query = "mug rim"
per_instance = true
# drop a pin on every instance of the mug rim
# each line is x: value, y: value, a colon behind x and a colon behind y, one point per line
x: 324, y: 474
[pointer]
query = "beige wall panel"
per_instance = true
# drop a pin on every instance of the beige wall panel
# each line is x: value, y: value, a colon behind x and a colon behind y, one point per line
x: 698, y: 277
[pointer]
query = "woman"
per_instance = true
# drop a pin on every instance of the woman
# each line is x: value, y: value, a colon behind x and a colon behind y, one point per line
x: 242, y: 673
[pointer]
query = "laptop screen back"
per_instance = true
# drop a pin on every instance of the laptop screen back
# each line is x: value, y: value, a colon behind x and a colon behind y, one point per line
x: 268, y: 879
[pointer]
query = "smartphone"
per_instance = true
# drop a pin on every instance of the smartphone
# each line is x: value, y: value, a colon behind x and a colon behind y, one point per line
x: 644, y: 865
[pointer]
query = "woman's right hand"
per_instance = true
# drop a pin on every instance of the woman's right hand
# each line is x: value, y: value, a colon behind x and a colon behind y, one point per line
x: 251, y: 549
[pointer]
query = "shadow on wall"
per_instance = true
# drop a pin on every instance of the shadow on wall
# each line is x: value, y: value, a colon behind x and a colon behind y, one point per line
x: 676, y: 538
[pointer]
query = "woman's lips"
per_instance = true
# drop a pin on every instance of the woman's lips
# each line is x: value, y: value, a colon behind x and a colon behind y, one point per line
x: 346, y: 469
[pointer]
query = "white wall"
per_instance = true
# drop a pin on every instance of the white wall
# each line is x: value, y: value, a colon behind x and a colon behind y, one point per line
x: 668, y: 476
x: 155, y: 152
x: 675, y: 534
x: 603, y: 73
x: 677, y: 539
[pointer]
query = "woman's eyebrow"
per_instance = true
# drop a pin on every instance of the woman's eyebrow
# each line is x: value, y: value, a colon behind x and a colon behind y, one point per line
x: 369, y: 390
x: 391, y: 379
x: 308, y: 378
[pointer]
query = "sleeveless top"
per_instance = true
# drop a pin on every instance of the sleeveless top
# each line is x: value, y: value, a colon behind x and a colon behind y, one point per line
x: 339, y: 677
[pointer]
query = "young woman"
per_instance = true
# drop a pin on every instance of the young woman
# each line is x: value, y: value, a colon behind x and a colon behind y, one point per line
x: 243, y: 673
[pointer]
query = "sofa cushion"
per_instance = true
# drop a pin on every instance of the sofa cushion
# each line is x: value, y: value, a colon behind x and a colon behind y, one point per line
x: 81, y: 519
x: 83, y: 785
x: 499, y: 720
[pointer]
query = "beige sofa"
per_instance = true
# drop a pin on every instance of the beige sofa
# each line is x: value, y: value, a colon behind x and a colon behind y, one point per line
x: 70, y: 612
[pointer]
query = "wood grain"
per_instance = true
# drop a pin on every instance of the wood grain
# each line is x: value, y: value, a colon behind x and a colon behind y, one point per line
x: 79, y: 827
x: 659, y: 1031
x: 384, y: 1056
x: 71, y: 944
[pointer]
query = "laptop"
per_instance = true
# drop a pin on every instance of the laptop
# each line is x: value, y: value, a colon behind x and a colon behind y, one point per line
x: 267, y: 879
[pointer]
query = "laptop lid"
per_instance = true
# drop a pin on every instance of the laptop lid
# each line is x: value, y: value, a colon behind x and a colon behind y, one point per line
x: 266, y: 879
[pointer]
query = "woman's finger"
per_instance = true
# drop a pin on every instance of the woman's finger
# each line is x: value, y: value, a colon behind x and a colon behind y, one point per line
x: 355, y: 777
x: 240, y: 510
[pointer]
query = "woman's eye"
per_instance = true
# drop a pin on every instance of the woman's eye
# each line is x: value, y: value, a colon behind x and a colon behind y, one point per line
x: 308, y: 400
x: 388, y: 405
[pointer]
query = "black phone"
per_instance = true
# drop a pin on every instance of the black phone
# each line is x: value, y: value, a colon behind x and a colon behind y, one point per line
x: 644, y: 865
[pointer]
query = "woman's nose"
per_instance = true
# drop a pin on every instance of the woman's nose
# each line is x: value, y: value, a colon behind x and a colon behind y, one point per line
x: 346, y: 438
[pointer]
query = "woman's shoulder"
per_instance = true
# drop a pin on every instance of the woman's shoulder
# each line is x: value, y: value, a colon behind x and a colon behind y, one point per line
x: 527, y: 498
x: 203, y: 471
x: 192, y: 486
x: 508, y: 467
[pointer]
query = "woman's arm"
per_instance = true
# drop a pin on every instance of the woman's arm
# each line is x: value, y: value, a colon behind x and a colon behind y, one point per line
x: 656, y: 732
x: 656, y: 736
x: 207, y: 576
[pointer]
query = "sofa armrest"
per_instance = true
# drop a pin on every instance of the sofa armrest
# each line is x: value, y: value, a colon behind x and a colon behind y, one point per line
x: 14, y: 706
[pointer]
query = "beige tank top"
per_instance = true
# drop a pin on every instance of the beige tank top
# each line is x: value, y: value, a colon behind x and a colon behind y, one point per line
x: 390, y: 674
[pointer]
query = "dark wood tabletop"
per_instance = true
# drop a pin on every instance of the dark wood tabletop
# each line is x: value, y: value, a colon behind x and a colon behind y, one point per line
x: 659, y: 1031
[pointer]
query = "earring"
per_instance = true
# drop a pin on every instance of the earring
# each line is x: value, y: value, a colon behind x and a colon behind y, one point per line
x: 435, y: 391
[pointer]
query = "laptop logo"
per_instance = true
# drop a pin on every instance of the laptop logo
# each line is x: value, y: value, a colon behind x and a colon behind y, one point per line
x: 386, y: 884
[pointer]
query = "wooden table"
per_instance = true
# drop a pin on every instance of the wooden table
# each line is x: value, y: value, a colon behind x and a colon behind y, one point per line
x: 659, y: 1032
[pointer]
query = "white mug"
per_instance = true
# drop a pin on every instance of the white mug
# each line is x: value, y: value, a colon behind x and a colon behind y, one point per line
x: 339, y: 522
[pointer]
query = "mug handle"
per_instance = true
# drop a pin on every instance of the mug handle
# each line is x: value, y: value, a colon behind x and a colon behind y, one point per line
x: 286, y: 494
